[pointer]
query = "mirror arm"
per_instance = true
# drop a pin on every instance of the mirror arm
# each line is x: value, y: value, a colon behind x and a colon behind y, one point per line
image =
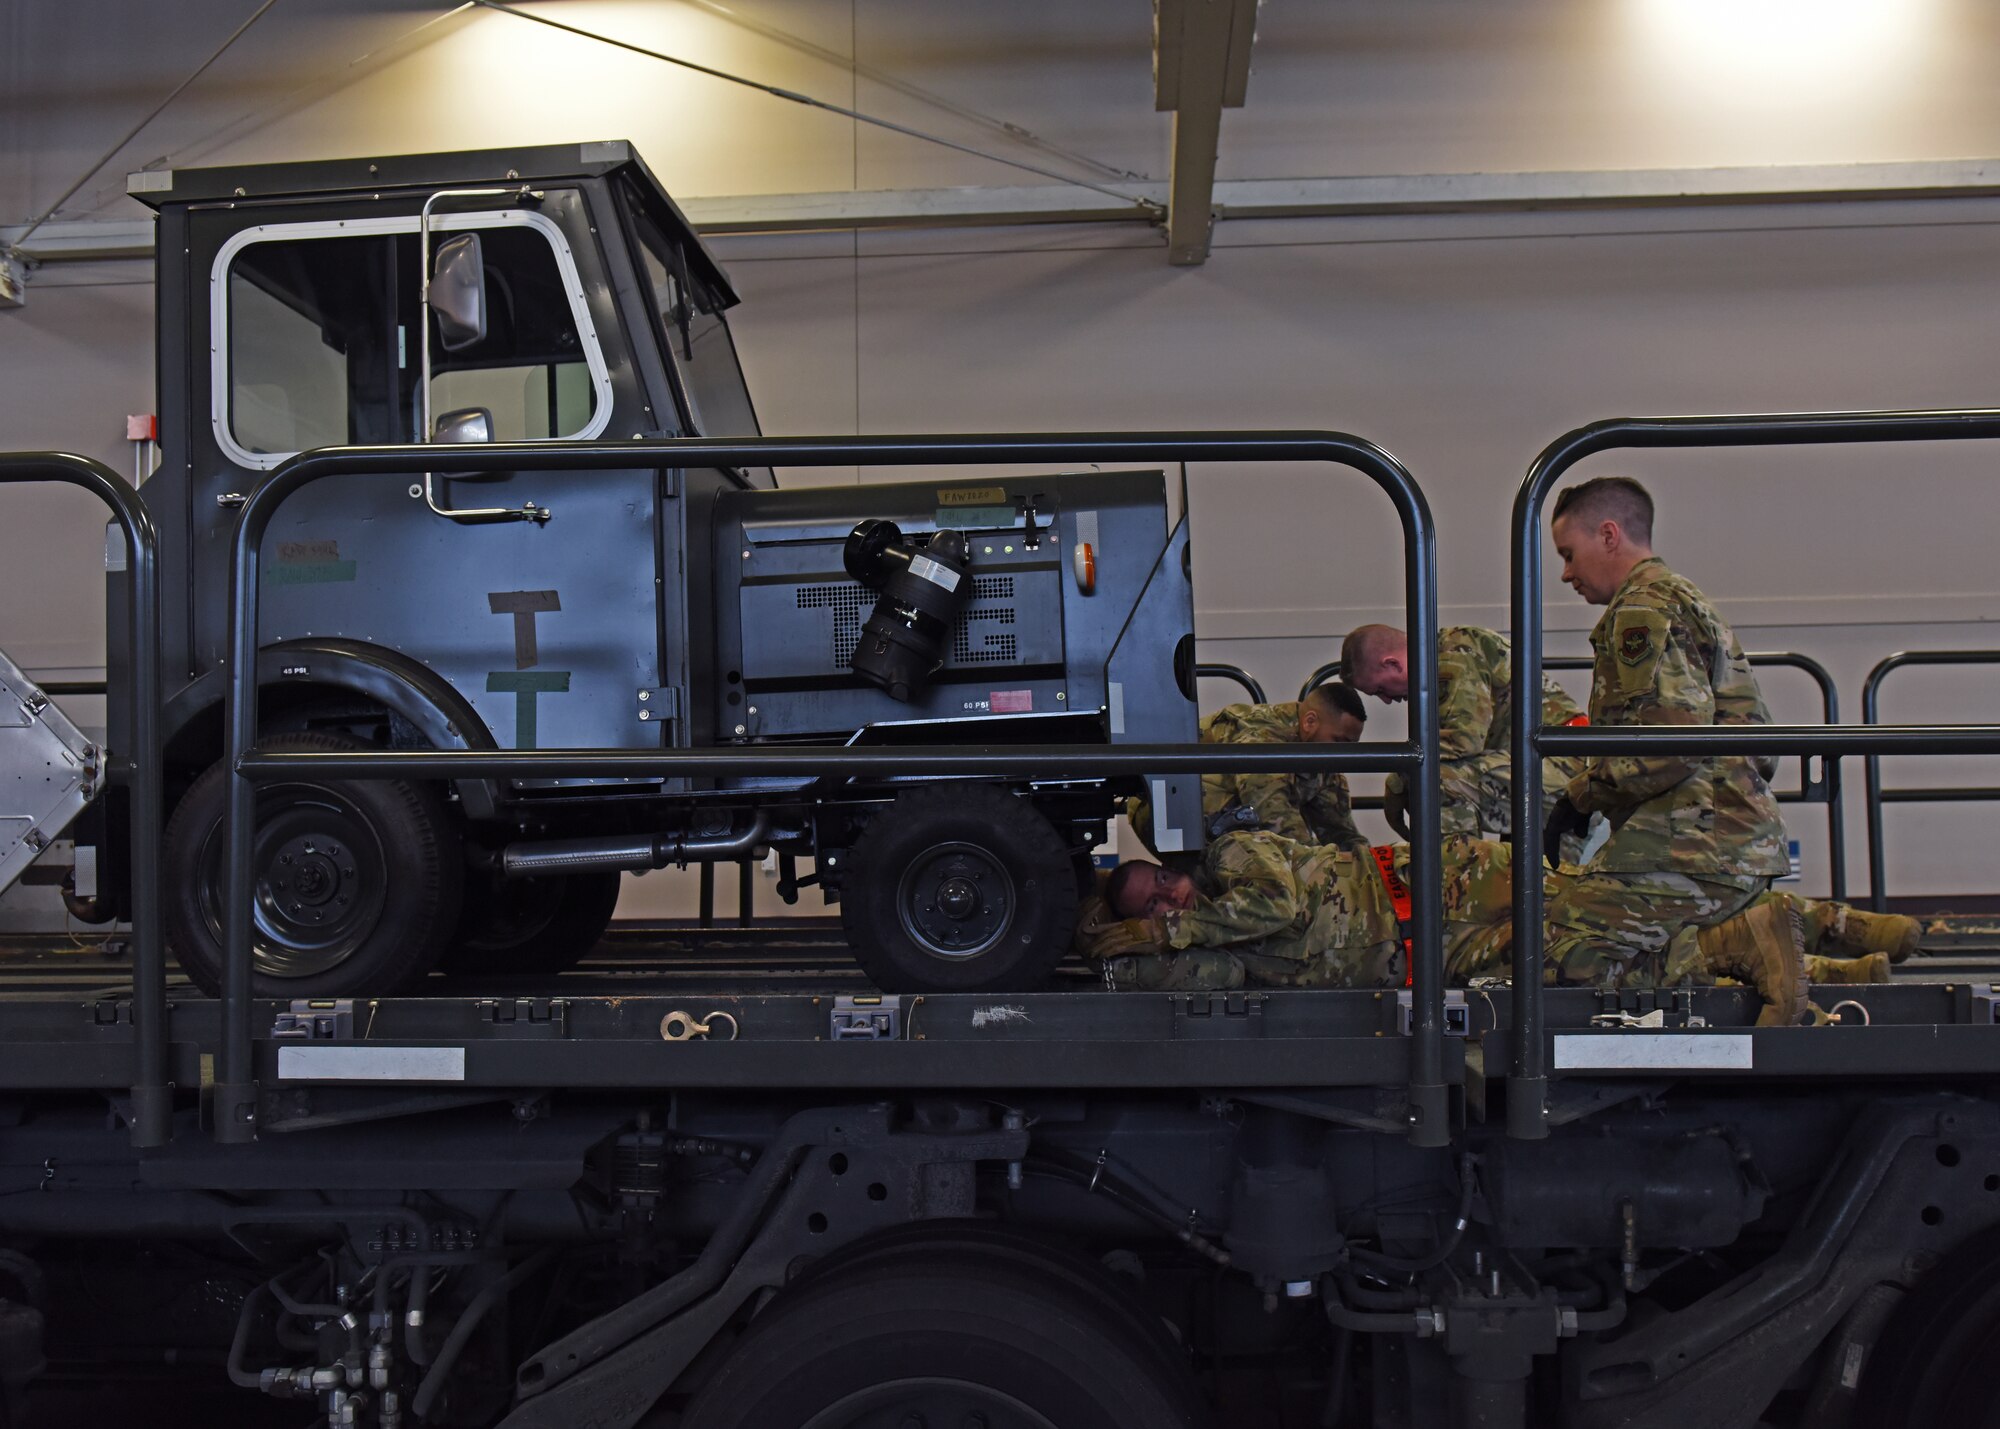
x: 474, y: 516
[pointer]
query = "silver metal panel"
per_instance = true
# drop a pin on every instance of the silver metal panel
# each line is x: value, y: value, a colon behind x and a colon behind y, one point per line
x: 371, y: 1064
x: 48, y: 771
x: 1653, y: 1051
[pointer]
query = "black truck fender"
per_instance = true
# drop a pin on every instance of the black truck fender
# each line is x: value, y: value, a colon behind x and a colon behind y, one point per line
x: 405, y: 687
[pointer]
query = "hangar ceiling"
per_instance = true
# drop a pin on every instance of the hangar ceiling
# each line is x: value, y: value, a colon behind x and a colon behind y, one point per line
x: 1166, y: 113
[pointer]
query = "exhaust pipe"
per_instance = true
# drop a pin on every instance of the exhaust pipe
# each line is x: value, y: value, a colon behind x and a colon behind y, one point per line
x: 636, y: 851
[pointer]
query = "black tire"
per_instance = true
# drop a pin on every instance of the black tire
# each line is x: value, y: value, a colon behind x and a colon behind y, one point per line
x: 385, y: 872
x: 1005, y: 871
x: 1929, y: 1369
x: 532, y: 925
x: 947, y: 1327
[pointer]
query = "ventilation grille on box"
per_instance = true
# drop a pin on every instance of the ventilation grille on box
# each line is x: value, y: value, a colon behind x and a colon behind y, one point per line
x: 850, y: 602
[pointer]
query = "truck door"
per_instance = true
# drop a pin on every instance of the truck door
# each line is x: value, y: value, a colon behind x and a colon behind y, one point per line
x: 550, y: 628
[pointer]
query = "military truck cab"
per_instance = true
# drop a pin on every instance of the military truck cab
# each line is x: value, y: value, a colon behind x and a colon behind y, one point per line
x: 553, y: 294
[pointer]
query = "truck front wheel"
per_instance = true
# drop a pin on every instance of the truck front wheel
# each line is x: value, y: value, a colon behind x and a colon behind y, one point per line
x: 959, y: 888
x: 358, y: 881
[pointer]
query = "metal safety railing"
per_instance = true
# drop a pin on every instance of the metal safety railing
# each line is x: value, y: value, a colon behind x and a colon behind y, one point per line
x: 1877, y: 796
x: 1235, y: 673
x: 152, y: 1097
x: 1527, y: 1088
x: 235, y: 1090
x: 1820, y: 788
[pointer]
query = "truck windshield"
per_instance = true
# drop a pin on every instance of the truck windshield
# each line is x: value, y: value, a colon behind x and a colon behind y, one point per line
x: 696, y: 337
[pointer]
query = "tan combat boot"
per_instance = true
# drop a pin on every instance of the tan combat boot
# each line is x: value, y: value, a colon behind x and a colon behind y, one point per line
x: 1853, y: 932
x: 1765, y: 947
x: 1873, y: 968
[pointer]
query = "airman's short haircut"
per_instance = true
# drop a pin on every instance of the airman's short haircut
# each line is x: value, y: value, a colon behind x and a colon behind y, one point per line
x: 1366, y: 645
x: 1119, y: 885
x: 1335, y: 696
x: 1609, y: 498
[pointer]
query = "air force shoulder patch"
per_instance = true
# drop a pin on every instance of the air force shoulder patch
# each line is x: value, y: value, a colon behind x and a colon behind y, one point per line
x: 1635, y: 644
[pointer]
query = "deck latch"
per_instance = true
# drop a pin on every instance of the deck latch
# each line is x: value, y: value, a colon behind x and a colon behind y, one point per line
x: 866, y: 1019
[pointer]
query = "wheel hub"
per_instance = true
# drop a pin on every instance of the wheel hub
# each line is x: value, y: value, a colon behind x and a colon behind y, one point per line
x: 956, y: 900
x: 311, y: 879
x: 322, y: 880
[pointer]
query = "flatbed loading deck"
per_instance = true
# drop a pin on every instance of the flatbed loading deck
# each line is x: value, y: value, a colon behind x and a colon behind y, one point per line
x: 797, y: 1015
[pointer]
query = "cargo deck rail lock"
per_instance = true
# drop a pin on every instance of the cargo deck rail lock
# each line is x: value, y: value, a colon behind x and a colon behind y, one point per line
x: 1527, y: 1089
x: 235, y: 1091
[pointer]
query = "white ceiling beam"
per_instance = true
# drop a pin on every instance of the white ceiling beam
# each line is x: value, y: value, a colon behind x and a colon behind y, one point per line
x: 1201, y: 66
x: 1248, y: 198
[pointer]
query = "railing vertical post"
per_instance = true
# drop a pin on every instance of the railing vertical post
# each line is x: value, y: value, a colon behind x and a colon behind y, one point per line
x: 1528, y: 1077
x: 235, y: 1091
x: 1429, y: 1100
x: 152, y: 1094
x: 1878, y: 874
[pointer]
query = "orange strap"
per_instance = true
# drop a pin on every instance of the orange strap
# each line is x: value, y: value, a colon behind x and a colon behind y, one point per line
x: 1573, y: 723
x: 1399, y: 897
x: 1399, y: 891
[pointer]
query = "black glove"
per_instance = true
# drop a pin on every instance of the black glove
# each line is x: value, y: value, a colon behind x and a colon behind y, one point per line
x: 1564, y: 818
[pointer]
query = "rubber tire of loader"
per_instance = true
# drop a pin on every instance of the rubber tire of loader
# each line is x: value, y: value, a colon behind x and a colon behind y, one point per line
x: 402, y: 876
x: 532, y: 925
x: 946, y: 1326
x: 1932, y: 1364
x: 959, y: 888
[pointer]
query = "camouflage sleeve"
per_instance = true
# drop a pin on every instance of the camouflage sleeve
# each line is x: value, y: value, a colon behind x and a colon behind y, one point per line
x: 1260, y: 895
x: 1465, y: 702
x: 1647, y: 675
x: 1330, y: 812
x: 1101, y: 933
x: 1272, y: 796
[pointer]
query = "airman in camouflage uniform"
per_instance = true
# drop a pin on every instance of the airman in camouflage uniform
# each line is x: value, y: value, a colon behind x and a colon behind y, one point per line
x: 1694, y: 841
x: 1475, y: 722
x: 1260, y: 908
x: 1307, y: 808
x: 1844, y: 944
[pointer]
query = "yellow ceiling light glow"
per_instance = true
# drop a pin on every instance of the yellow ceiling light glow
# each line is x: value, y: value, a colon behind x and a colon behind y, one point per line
x: 1781, y: 81
x: 1803, y: 45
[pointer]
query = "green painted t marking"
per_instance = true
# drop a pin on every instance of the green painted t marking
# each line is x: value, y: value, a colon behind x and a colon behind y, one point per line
x: 524, y: 685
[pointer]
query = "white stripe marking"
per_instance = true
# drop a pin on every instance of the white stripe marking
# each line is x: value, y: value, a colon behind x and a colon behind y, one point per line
x: 371, y: 1064
x: 1652, y: 1051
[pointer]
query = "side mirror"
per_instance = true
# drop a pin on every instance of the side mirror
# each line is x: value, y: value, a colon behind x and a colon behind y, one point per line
x: 458, y: 293
x: 467, y: 424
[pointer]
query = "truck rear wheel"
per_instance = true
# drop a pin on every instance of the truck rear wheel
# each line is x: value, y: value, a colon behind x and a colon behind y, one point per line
x: 959, y: 888
x: 532, y: 925
x: 949, y: 1332
x: 358, y: 881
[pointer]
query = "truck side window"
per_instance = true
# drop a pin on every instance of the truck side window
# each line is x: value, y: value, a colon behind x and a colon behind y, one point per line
x: 322, y: 342
x: 308, y: 324
x: 529, y: 370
